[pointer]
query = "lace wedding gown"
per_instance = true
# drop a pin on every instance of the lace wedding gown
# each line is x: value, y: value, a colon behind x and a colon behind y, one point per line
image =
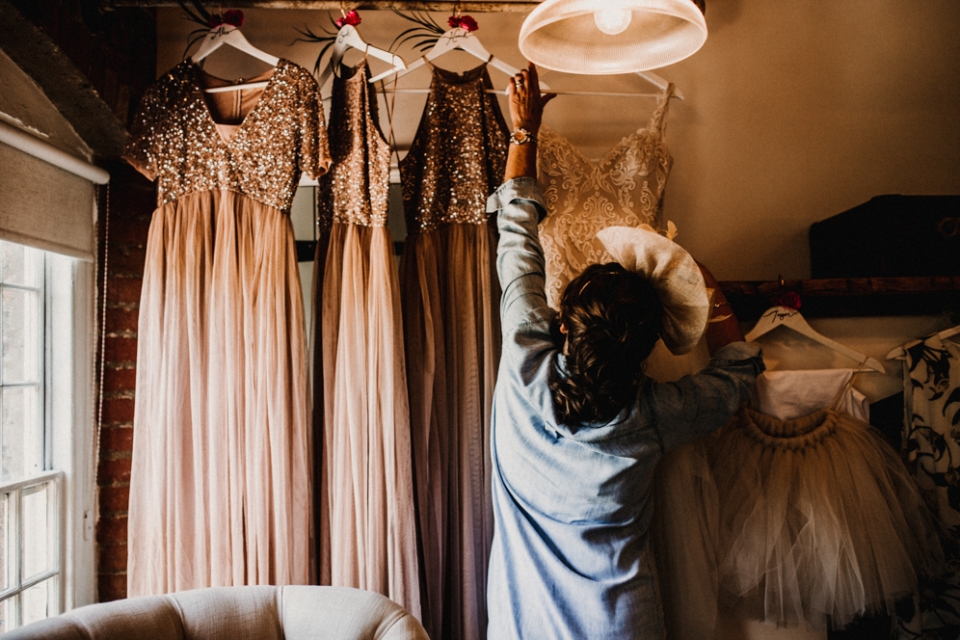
x: 624, y: 188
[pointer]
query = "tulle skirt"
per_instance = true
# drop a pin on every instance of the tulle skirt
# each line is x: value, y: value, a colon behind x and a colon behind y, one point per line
x: 368, y: 518
x: 452, y: 345
x: 220, y: 491
x: 818, y: 520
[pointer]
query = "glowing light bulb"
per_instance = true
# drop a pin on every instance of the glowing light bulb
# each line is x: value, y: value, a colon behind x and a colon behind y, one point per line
x: 612, y: 21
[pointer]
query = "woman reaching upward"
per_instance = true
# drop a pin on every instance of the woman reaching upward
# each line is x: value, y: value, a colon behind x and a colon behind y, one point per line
x: 577, y: 427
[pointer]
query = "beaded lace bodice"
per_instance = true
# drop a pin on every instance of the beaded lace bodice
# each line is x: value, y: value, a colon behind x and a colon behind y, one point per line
x: 355, y: 189
x: 175, y: 139
x: 625, y: 188
x: 458, y: 154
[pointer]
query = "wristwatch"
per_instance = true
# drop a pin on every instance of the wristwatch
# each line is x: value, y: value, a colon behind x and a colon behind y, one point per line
x: 522, y: 136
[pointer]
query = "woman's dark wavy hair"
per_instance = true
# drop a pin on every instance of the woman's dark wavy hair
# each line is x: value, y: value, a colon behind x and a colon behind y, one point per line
x: 613, y: 321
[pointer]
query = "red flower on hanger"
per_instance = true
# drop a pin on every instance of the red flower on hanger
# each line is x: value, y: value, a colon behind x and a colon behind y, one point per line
x: 232, y: 17
x: 790, y: 300
x: 352, y: 18
x: 466, y: 23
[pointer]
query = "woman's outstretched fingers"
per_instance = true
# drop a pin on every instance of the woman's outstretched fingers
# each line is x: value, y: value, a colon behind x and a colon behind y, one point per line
x: 526, y: 102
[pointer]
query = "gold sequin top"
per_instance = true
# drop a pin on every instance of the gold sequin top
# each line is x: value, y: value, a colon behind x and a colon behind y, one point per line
x: 624, y: 188
x: 458, y: 154
x: 175, y: 139
x: 354, y: 191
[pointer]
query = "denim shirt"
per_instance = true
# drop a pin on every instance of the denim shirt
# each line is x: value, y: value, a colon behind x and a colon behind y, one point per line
x: 572, y: 503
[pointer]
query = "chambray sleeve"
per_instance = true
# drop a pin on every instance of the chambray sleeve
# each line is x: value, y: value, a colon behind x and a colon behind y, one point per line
x: 519, y: 207
x: 702, y: 402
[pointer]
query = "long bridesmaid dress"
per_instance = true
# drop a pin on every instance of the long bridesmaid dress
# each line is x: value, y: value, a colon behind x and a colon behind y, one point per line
x: 368, y: 522
x: 451, y: 299
x: 220, y: 487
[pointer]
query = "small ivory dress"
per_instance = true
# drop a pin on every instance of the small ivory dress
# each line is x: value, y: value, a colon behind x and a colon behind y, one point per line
x: 368, y: 534
x: 802, y: 519
x: 450, y: 300
x: 220, y: 487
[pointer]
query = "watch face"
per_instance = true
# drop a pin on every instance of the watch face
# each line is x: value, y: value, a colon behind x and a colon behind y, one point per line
x: 520, y: 136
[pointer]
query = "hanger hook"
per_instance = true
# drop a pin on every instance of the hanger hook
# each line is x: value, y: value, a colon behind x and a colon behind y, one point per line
x: 343, y: 11
x: 457, y: 9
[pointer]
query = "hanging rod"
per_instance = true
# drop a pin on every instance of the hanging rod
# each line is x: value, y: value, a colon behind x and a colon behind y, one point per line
x: 520, y: 6
x: 560, y: 92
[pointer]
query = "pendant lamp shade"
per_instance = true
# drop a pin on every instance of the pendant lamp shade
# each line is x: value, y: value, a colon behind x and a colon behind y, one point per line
x: 597, y: 37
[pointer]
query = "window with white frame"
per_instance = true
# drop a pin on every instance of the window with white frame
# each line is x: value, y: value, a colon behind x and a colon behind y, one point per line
x: 47, y: 434
x: 30, y: 506
x: 48, y: 427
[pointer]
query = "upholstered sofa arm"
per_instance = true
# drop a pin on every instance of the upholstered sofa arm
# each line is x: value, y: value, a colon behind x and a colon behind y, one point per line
x: 235, y: 613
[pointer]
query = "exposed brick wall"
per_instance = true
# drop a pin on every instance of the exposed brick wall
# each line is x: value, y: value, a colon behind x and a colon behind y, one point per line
x: 132, y: 199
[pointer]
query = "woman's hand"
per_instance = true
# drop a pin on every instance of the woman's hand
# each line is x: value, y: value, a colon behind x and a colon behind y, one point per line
x: 526, y: 102
x: 526, y: 112
x: 722, y: 326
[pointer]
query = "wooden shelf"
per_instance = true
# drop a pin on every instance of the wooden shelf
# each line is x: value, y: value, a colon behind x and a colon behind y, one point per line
x: 846, y: 297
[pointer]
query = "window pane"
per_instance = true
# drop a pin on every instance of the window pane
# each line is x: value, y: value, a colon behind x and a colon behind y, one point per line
x: 41, y: 601
x: 8, y: 613
x: 7, y: 540
x: 38, y: 556
x: 21, y: 432
x: 20, y: 265
x: 21, y: 336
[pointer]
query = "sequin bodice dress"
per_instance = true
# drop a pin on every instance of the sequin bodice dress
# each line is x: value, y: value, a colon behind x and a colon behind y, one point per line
x: 220, y: 487
x: 368, y: 526
x: 458, y: 152
x: 452, y: 332
x: 354, y: 191
x: 176, y: 141
x: 624, y: 188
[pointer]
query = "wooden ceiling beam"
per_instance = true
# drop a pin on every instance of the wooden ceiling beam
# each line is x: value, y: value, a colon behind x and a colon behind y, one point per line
x: 468, y: 6
x: 64, y: 84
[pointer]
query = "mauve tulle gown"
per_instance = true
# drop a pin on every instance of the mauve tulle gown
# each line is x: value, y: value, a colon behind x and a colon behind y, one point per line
x: 451, y: 299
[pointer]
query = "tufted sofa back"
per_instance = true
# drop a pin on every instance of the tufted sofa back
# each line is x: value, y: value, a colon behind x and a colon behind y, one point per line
x: 235, y: 613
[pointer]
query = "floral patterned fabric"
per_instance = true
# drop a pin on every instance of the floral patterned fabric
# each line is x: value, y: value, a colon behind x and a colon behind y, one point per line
x: 931, y: 373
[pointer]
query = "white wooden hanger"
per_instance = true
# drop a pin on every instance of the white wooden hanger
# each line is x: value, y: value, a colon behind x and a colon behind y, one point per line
x: 348, y: 37
x: 783, y: 317
x: 660, y: 82
x: 949, y: 333
x: 464, y: 40
x: 228, y: 34
x: 899, y: 352
x: 457, y: 38
x: 657, y: 81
